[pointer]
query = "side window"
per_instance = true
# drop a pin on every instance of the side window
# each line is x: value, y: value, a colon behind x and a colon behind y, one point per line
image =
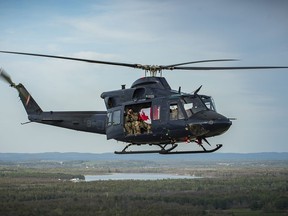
x: 156, y: 112
x: 116, y: 117
x: 113, y: 118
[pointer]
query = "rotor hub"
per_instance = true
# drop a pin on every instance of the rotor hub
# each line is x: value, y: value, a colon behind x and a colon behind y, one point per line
x: 151, y: 69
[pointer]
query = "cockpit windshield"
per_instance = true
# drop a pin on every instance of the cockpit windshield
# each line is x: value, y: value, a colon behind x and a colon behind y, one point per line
x: 193, y: 104
x: 209, y: 102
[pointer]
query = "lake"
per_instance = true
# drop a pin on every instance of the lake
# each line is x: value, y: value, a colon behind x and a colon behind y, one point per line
x: 136, y: 176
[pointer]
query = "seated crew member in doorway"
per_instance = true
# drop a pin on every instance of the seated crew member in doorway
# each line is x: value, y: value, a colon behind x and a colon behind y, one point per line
x: 128, y: 122
x: 135, y: 122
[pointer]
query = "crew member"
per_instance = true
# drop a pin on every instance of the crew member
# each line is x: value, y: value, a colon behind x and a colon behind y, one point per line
x: 129, y: 121
x: 135, y: 123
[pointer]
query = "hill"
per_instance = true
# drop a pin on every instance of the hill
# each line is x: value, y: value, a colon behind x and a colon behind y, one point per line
x: 56, y: 156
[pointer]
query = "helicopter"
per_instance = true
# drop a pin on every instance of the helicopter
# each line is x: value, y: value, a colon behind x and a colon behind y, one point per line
x: 149, y: 113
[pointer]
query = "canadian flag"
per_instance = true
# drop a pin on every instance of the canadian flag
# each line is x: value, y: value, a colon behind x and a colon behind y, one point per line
x: 145, y: 115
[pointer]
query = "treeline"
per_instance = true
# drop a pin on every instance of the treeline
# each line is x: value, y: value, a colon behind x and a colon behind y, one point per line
x: 37, y: 174
x: 39, y: 192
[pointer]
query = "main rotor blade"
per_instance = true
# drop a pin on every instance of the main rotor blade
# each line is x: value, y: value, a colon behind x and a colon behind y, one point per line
x: 194, y: 62
x: 229, y: 68
x: 75, y: 59
x: 6, y: 77
x: 152, y: 67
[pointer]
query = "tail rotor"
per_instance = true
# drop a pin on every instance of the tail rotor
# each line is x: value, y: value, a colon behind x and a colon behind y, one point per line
x: 29, y: 103
x: 6, y: 77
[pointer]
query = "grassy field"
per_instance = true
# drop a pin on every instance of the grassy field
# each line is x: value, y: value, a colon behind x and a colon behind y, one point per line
x: 44, y: 188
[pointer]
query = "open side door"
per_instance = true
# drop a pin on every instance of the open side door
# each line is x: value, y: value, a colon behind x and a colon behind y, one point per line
x: 138, y: 119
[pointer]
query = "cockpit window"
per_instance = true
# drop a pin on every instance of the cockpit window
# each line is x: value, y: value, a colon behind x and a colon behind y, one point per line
x: 192, y: 105
x: 175, y: 112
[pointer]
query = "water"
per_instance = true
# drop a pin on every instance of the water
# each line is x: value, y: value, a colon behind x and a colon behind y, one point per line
x: 136, y: 176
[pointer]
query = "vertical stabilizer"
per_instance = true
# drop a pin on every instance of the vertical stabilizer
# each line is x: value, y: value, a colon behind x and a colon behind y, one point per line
x: 29, y: 103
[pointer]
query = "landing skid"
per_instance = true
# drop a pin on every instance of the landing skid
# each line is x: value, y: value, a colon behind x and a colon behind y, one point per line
x: 218, y: 146
x: 164, y: 150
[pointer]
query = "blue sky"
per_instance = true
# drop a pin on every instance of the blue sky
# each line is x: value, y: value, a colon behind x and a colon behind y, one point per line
x: 147, y: 32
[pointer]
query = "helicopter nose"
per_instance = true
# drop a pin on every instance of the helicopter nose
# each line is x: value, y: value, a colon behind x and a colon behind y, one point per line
x: 218, y: 126
x: 212, y: 123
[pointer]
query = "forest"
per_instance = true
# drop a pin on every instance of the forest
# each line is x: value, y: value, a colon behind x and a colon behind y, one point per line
x: 226, y: 188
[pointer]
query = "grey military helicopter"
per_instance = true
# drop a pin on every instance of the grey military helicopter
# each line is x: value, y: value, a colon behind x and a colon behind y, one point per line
x: 148, y: 113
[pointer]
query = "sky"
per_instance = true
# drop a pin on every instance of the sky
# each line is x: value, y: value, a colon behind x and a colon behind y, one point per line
x: 146, y: 32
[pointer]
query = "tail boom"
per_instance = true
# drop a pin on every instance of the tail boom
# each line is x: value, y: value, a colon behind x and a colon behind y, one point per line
x: 88, y: 121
